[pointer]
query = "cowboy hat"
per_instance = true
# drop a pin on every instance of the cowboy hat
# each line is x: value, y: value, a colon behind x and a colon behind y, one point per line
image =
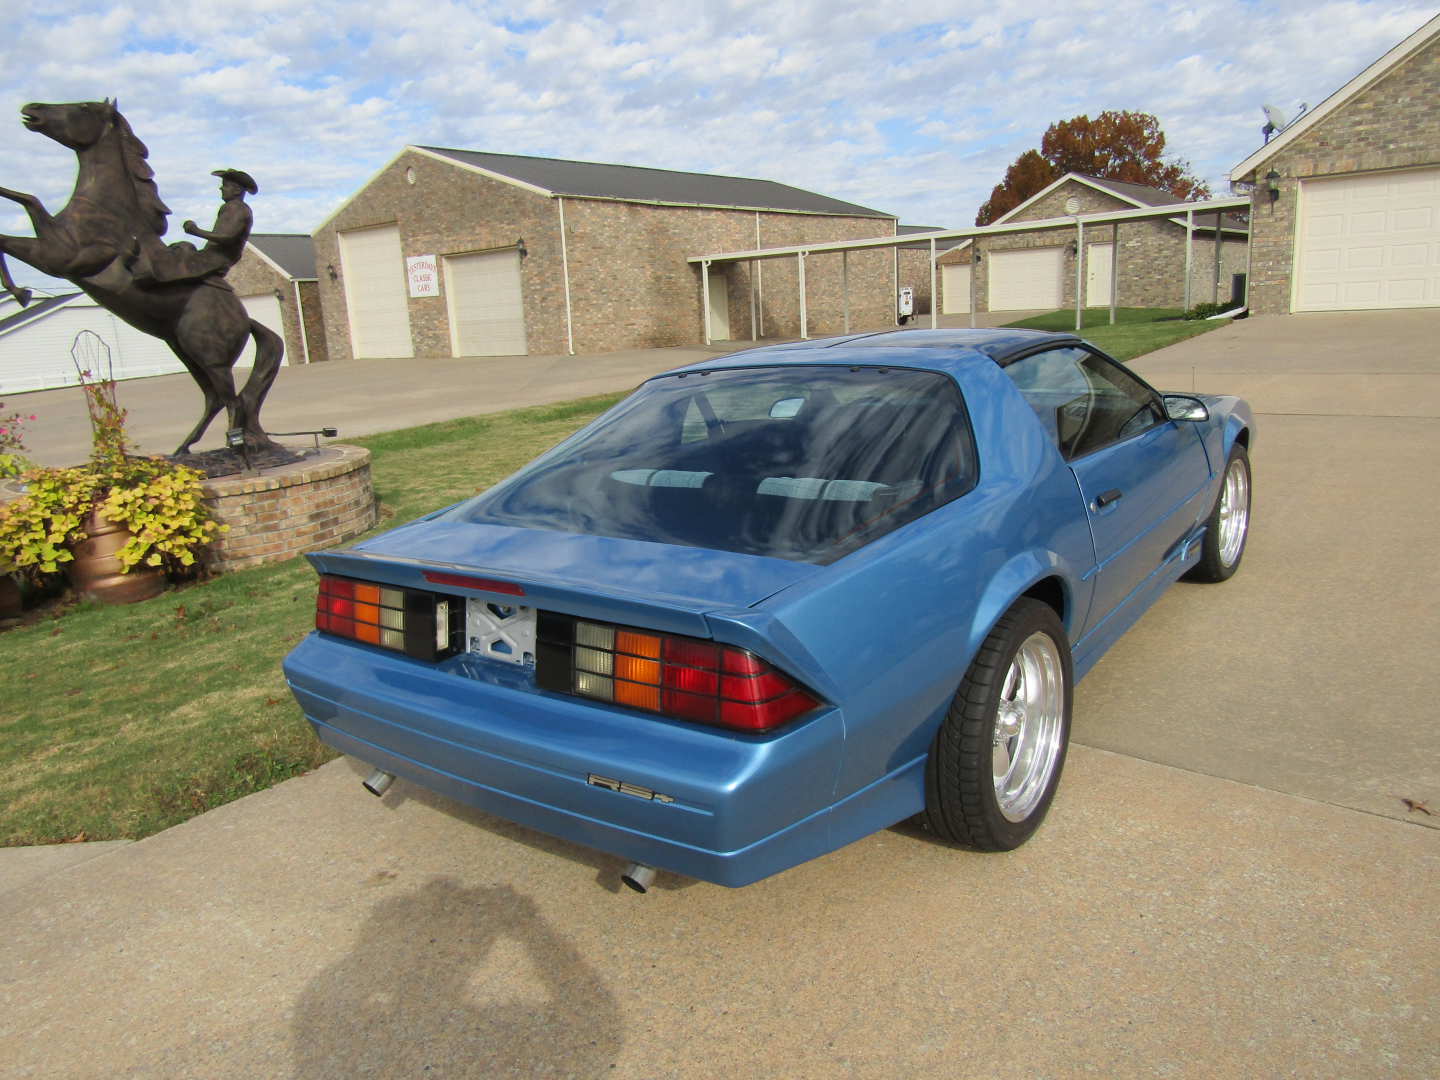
x: 244, y: 179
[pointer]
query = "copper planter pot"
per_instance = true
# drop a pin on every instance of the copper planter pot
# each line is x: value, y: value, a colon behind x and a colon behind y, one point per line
x: 95, y: 572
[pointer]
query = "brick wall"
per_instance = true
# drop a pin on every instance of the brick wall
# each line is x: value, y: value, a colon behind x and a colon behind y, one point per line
x: 314, y: 321
x: 1392, y: 124
x: 1151, y: 256
x: 631, y: 286
x: 285, y: 512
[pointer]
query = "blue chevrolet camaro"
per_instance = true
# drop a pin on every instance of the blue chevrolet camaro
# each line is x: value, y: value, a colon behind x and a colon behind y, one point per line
x: 771, y: 603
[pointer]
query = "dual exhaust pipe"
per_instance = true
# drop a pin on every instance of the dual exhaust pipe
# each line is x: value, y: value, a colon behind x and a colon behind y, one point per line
x: 636, y: 876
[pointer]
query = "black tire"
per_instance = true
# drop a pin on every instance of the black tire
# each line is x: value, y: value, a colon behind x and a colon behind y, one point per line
x: 1220, y: 554
x: 962, y: 803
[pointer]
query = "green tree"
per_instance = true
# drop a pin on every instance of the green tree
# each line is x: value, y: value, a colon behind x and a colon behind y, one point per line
x: 1127, y: 146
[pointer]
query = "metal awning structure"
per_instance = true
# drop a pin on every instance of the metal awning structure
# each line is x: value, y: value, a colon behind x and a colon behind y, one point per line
x: 800, y: 252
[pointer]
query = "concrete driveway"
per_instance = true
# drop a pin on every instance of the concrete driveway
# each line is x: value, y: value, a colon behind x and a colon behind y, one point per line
x: 1229, y: 883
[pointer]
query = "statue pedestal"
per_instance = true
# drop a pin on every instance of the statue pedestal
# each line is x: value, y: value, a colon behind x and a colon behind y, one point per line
x: 320, y: 501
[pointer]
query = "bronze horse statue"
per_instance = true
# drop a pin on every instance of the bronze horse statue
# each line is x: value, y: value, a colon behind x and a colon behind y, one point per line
x: 115, y: 214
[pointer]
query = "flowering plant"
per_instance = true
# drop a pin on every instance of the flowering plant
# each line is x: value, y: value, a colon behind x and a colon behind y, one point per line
x: 12, y: 430
x: 158, y: 501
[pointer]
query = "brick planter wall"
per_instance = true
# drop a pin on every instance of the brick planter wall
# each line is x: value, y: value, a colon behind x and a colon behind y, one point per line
x: 283, y: 512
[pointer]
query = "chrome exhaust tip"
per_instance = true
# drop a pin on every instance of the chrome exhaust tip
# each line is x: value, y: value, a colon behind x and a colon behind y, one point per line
x: 638, y: 876
x: 379, y: 781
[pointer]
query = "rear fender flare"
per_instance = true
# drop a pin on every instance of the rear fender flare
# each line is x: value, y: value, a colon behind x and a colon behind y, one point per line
x: 1007, y: 586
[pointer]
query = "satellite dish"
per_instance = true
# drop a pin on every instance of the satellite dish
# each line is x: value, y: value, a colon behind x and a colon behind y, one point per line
x: 1274, y: 118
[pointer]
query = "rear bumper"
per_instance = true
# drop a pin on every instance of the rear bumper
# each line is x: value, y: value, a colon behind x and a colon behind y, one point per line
x: 734, y: 809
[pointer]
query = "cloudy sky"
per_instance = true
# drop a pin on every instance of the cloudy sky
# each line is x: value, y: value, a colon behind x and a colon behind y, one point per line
x: 914, y: 108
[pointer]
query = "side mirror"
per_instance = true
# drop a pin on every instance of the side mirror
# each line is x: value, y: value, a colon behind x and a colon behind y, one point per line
x: 1185, y: 407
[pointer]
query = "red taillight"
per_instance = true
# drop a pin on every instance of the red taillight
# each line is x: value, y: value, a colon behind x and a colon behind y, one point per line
x: 410, y: 621
x: 677, y: 676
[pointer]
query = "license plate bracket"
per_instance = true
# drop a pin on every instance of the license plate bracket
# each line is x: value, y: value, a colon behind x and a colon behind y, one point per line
x: 500, y: 632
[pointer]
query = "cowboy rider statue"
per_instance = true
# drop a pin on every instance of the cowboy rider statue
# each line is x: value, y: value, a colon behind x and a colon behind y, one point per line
x: 224, y: 244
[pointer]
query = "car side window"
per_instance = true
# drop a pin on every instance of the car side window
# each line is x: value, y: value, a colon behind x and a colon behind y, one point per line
x: 1084, y: 400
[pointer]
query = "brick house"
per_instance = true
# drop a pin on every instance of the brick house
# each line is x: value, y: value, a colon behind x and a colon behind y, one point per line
x: 462, y: 253
x: 1345, y: 204
x: 275, y: 278
x: 1019, y: 271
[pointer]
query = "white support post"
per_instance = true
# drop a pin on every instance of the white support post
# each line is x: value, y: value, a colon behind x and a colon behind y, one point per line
x: 845, y: 285
x: 1079, y: 274
x: 705, y: 296
x: 934, y: 296
x: 1189, y: 252
x: 1114, y: 268
x: 800, y: 265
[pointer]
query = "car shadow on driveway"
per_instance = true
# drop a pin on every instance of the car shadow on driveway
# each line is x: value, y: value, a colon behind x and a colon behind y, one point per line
x: 467, y: 981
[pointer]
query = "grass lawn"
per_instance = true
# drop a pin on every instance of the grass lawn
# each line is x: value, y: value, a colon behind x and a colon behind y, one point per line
x: 122, y: 721
x: 1136, y: 331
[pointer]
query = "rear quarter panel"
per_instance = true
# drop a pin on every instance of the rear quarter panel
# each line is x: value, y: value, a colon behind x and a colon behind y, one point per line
x: 893, y: 627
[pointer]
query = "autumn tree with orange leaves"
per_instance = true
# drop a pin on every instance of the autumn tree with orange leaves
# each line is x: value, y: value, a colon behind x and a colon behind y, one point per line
x: 1126, y: 146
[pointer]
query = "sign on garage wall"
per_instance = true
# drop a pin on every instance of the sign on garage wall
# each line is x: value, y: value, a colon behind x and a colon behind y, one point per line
x: 423, y: 274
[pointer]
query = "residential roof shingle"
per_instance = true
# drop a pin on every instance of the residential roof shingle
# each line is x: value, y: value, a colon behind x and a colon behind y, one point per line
x: 634, y: 183
x: 292, y: 252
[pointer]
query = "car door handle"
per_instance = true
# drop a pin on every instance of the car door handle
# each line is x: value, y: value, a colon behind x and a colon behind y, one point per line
x: 1105, y: 498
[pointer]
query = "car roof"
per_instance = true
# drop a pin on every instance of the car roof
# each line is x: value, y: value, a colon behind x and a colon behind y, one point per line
x: 933, y: 350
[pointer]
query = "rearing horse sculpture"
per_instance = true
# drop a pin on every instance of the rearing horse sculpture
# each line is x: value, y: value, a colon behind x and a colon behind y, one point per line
x: 114, y: 213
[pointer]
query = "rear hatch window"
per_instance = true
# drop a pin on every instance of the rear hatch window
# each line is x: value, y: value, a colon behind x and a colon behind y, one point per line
x: 800, y: 463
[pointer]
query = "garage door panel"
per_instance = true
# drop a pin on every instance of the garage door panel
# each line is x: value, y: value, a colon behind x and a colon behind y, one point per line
x: 1369, y: 241
x: 1370, y: 258
x: 1022, y: 280
x: 1410, y: 255
x: 376, y: 295
x: 1421, y: 217
x: 487, y: 312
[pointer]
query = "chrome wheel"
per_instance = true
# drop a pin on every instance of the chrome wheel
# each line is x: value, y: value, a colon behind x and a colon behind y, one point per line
x: 1234, y: 512
x: 1029, y: 727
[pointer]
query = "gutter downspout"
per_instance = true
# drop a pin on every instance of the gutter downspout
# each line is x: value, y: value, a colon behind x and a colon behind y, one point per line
x: 565, y: 272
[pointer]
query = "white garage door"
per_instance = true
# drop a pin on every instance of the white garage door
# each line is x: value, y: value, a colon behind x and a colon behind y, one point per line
x: 1369, y: 241
x: 1021, y: 280
x: 265, y: 310
x: 487, y: 309
x: 955, y: 289
x: 375, y: 292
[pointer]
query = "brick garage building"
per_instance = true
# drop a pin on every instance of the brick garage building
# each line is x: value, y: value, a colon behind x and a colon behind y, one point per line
x: 1019, y: 271
x: 275, y: 279
x: 461, y: 253
x: 1345, y: 206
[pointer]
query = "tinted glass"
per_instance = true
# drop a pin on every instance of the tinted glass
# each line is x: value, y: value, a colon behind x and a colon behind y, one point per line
x: 1085, y: 401
x: 801, y: 463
